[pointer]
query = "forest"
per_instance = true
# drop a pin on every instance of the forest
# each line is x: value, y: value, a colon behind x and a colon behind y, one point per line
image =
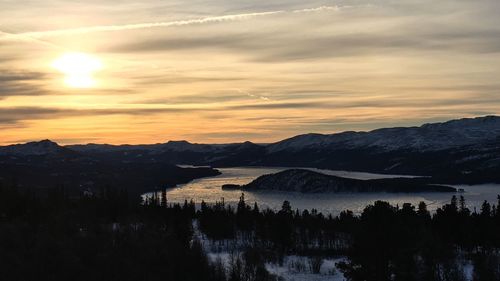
x: 108, y: 236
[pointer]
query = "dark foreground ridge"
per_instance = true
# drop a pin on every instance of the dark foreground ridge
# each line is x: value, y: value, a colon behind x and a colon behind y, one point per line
x: 300, y: 180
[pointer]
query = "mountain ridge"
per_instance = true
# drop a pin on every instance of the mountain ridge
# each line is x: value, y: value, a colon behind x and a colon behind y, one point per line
x: 462, y: 150
x: 182, y: 145
x: 380, y: 135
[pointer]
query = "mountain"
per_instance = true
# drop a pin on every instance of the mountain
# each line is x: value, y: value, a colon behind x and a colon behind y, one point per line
x: 306, y: 181
x: 428, y: 137
x: 181, y: 146
x: 460, y: 151
x: 45, y: 165
x: 457, y: 151
x: 177, y: 152
x: 44, y: 147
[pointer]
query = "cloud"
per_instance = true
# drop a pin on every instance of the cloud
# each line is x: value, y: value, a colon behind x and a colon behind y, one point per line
x: 13, y: 115
x: 107, y: 28
x: 10, y: 115
x: 301, y: 66
x: 263, y: 46
x: 180, y: 79
x: 21, y: 83
x: 7, y: 77
x: 6, y: 36
x: 317, y: 9
x: 224, y: 135
x: 201, y: 98
x: 281, y: 105
x: 35, y: 35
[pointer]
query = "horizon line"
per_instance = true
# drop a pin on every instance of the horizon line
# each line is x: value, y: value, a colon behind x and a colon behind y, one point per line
x: 258, y: 143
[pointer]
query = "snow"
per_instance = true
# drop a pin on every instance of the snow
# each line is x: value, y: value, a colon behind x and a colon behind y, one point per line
x: 428, y: 137
x: 294, y: 268
x: 290, y: 273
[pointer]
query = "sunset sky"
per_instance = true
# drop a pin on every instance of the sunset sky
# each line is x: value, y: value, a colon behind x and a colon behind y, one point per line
x: 223, y: 71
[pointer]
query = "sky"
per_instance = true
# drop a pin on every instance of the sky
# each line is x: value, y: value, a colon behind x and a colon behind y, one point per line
x: 229, y: 71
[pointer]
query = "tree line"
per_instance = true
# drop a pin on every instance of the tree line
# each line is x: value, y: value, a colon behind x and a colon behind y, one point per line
x: 106, y: 236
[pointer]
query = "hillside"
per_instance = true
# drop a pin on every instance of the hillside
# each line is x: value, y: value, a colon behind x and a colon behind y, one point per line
x: 305, y: 181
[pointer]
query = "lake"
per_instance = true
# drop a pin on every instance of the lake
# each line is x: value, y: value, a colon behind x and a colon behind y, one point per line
x: 209, y: 190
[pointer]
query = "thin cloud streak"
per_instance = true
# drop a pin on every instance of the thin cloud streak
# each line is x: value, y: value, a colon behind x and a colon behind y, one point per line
x: 318, y: 9
x: 6, y: 36
x: 106, y: 28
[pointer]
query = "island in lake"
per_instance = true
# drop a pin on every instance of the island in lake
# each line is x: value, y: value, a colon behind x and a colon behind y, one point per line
x: 306, y: 181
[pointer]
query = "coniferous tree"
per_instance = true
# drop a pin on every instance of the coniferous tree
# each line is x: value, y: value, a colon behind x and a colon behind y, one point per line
x: 286, y: 208
x: 463, y: 207
x: 453, y: 203
x: 422, y: 210
x: 163, y: 198
x: 486, y: 209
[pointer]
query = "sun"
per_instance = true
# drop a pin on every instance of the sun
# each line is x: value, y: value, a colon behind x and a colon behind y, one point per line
x: 78, y: 69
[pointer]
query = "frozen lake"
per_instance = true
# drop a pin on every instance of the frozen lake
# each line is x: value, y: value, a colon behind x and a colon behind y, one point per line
x: 209, y: 190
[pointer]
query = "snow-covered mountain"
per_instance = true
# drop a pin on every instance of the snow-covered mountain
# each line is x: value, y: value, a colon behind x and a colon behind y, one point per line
x: 428, y: 137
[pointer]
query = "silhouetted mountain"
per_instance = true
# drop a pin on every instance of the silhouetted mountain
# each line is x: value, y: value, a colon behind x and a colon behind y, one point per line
x: 177, y: 152
x: 44, y: 147
x: 45, y: 164
x: 306, y: 181
x: 465, y: 150
x: 181, y: 146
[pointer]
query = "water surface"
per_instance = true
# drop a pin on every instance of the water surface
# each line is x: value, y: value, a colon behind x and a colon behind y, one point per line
x: 209, y: 190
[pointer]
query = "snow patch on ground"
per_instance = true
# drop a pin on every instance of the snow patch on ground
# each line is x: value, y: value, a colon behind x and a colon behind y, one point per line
x: 296, y: 268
